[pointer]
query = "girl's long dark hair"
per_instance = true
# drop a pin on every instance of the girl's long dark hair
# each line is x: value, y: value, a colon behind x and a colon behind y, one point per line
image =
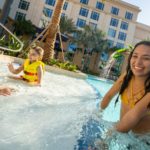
x: 129, y: 73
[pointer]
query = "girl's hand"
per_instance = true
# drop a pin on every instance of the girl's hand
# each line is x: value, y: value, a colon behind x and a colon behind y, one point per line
x: 10, y: 67
x: 5, y: 91
x: 103, y: 104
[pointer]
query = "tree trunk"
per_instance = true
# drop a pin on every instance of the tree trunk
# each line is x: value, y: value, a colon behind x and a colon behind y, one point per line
x: 5, y: 12
x: 52, y: 32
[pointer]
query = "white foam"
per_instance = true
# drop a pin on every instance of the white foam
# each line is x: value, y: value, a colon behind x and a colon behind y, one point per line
x: 44, y: 118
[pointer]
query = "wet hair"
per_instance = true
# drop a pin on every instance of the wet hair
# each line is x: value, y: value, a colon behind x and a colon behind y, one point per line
x: 129, y: 73
x: 38, y: 50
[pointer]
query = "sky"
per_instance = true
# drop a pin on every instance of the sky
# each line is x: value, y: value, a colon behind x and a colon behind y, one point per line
x: 144, y: 5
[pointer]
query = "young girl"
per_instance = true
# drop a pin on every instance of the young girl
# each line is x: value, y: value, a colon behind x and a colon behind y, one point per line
x: 134, y: 89
x: 32, y: 68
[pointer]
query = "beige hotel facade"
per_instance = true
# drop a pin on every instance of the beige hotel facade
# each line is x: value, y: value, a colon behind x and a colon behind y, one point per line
x: 116, y: 18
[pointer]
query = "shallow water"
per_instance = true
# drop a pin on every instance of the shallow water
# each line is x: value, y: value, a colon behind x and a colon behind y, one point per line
x: 63, y: 114
x: 47, y: 117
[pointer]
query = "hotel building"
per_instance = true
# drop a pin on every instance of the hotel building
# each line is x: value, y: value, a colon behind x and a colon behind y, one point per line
x: 116, y: 18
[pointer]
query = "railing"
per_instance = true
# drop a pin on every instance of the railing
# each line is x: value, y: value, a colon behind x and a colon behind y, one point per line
x: 8, y: 49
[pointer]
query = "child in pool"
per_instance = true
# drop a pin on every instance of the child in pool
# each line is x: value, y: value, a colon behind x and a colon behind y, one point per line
x: 33, y: 67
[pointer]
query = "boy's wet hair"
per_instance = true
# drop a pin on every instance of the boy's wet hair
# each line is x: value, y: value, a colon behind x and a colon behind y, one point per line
x: 129, y: 73
x: 38, y: 50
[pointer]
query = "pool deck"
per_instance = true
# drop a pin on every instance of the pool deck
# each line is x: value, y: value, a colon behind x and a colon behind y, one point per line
x: 80, y: 75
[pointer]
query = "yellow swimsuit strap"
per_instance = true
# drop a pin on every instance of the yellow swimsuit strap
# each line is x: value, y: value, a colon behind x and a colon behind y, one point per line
x: 133, y: 98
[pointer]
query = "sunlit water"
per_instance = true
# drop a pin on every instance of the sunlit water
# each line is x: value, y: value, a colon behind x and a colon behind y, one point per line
x: 63, y: 114
x: 116, y: 141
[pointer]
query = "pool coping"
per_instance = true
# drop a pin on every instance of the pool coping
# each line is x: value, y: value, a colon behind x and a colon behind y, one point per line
x: 80, y: 75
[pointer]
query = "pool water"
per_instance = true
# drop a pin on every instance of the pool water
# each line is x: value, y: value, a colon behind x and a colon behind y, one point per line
x: 63, y: 114
x: 95, y: 132
x: 101, y: 86
x: 44, y: 118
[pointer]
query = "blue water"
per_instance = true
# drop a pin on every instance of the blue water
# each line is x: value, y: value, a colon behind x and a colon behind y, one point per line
x: 95, y: 128
x: 101, y: 87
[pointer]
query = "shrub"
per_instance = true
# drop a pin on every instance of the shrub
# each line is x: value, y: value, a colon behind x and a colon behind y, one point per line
x: 63, y: 65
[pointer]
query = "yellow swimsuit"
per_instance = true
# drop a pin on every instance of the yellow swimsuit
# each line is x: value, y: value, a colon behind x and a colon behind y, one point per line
x: 132, y: 99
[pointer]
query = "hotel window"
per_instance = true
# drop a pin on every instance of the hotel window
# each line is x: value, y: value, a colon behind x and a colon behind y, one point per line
x: 81, y: 23
x: 111, y: 32
x: 63, y: 14
x: 128, y: 15
x: 95, y: 15
x: 122, y: 36
x: 65, y: 6
x: 110, y: 43
x: 48, y: 12
x: 20, y: 16
x: 84, y: 12
x: 93, y: 25
x: 84, y: 1
x: 124, y: 25
x: 114, y: 10
x: 24, y: 5
x: 50, y: 2
x: 100, y: 5
x: 114, y: 22
x: 120, y: 45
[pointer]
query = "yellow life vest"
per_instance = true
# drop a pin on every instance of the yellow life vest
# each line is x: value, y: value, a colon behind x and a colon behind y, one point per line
x: 30, y: 70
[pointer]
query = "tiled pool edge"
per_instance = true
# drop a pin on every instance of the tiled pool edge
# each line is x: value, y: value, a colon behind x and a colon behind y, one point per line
x: 80, y: 75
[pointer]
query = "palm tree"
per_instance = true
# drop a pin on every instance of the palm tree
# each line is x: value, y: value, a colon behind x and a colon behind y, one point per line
x: 67, y: 25
x: 5, y: 12
x: 91, y: 39
x: 24, y: 27
x: 52, y: 32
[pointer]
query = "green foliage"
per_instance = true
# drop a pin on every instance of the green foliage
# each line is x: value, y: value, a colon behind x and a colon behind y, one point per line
x: 69, y: 56
x: 67, y: 25
x: 9, y: 42
x: 53, y: 62
x: 24, y: 27
x: 91, y: 39
x: 63, y: 65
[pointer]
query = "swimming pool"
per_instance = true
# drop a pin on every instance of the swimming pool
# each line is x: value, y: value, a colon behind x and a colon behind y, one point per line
x: 94, y: 131
x: 61, y: 115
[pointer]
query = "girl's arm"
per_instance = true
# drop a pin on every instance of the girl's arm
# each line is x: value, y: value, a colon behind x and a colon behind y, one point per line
x: 13, y: 70
x: 40, y: 75
x: 112, y: 92
x: 132, y: 117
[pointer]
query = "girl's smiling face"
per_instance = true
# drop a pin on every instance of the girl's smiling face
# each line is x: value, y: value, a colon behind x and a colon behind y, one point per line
x: 140, y: 61
x: 33, y: 55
